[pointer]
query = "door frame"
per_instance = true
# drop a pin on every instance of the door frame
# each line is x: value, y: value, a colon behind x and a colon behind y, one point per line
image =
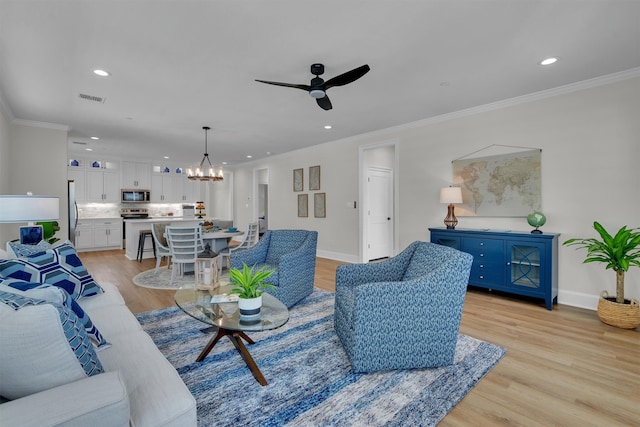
x: 362, y: 195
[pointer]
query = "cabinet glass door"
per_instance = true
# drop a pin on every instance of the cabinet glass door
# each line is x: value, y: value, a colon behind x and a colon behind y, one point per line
x: 525, y: 269
x: 452, y: 242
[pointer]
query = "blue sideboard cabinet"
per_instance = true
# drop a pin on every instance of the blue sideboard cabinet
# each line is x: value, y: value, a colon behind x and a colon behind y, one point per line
x: 516, y: 262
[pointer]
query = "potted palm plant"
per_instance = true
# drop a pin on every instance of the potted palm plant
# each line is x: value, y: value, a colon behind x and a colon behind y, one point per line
x: 618, y: 252
x: 249, y: 284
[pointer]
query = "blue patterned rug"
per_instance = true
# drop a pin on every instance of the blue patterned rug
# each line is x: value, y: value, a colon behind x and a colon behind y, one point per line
x: 309, y: 376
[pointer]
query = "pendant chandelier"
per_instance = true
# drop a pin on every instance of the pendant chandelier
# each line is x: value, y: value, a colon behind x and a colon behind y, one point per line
x: 201, y: 173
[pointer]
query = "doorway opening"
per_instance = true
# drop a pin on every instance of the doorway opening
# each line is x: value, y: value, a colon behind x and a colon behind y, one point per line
x: 261, y: 199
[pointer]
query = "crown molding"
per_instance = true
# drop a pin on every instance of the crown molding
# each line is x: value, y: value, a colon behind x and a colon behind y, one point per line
x: 44, y: 125
x: 510, y: 102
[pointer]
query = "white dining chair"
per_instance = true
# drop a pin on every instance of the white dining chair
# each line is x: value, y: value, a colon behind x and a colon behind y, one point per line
x: 185, y: 243
x: 250, y: 239
x: 162, y: 246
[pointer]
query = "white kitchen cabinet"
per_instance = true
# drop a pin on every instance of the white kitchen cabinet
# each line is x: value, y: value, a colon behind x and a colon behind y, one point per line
x: 103, y: 185
x: 78, y: 176
x: 98, y: 234
x: 84, y: 235
x: 107, y: 234
x: 136, y: 175
x: 162, y: 188
x: 186, y: 191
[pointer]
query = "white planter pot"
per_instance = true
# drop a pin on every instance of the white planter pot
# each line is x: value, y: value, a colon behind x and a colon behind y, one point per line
x: 250, y: 306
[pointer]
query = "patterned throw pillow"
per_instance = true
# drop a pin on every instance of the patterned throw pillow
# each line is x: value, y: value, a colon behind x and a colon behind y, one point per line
x: 37, y: 290
x: 20, y: 250
x: 36, y: 337
x: 58, y: 266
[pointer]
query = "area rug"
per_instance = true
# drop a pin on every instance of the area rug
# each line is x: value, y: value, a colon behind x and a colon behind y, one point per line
x: 161, y: 279
x: 309, y: 375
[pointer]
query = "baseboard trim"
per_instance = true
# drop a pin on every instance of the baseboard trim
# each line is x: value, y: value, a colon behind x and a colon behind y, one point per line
x: 578, y: 299
x: 337, y: 256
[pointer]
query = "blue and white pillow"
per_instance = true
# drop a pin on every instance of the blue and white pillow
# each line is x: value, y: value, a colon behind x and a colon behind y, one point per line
x: 19, y: 250
x: 44, y: 345
x: 59, y: 266
x: 60, y: 296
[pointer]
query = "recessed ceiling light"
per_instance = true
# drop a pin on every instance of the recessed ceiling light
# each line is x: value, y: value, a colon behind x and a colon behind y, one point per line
x: 95, y: 138
x: 548, y: 61
x: 165, y: 157
x: 88, y: 149
x: 328, y: 126
x: 249, y: 156
x: 224, y: 163
x: 101, y: 73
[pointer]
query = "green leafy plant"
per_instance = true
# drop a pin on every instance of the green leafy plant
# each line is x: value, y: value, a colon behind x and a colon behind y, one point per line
x: 618, y: 252
x: 249, y: 282
x: 49, y: 229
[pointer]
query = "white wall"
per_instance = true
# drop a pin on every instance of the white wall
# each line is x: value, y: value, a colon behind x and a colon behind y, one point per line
x: 5, y: 229
x: 33, y: 159
x: 590, y: 141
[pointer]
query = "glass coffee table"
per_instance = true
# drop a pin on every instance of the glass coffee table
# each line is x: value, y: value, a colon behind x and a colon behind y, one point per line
x: 225, y: 316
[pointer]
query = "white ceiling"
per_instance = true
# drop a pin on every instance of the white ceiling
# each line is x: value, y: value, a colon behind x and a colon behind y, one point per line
x: 179, y: 65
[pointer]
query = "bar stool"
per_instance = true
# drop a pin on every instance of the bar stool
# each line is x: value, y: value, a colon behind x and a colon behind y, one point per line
x: 141, y: 241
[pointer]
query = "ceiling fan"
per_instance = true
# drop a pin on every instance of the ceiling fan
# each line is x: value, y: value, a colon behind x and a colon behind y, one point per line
x: 318, y: 87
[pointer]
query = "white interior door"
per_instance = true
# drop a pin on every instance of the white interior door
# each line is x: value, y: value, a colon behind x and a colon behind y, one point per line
x: 379, y: 212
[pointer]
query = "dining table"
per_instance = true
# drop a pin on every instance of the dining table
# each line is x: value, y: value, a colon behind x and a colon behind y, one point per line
x: 218, y: 240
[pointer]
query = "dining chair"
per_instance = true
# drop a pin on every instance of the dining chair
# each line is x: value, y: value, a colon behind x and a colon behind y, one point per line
x: 185, y: 243
x: 250, y: 239
x: 162, y: 246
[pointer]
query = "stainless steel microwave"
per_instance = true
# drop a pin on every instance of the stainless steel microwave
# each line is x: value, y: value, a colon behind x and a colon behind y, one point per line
x: 135, y: 196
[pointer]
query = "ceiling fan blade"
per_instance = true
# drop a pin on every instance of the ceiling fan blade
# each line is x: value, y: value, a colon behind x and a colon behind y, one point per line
x: 348, y: 77
x: 296, y: 86
x: 324, y: 103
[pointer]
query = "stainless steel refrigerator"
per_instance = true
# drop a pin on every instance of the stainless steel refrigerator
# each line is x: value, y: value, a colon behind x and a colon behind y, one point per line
x: 72, y: 210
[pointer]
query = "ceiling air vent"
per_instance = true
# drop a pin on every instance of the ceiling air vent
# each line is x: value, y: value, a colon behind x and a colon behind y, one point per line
x: 79, y: 143
x: 92, y: 98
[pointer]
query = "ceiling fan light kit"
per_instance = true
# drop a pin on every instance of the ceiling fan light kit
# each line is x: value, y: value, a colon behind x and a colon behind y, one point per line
x: 199, y: 174
x: 318, y: 87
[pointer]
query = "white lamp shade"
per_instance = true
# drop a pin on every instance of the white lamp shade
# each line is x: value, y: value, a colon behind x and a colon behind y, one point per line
x: 20, y: 208
x: 451, y: 195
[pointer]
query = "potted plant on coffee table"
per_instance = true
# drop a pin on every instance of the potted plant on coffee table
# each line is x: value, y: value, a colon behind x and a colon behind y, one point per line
x: 618, y: 252
x: 249, y: 284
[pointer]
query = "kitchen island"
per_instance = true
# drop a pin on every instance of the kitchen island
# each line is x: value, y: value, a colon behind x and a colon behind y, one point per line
x: 134, y: 226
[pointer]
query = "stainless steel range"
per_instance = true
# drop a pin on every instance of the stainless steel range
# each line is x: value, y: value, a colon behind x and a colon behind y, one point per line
x: 131, y: 213
x: 134, y: 213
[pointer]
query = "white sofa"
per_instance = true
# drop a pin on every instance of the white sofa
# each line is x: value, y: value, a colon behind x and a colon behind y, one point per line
x: 139, y: 387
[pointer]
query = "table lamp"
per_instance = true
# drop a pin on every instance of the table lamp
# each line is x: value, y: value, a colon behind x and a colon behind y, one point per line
x: 28, y: 208
x: 451, y: 195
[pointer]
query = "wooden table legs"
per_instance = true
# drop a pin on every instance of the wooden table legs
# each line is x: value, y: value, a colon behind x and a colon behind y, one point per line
x: 235, y: 337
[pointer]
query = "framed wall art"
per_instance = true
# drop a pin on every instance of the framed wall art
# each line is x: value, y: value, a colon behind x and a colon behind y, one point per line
x: 303, y: 205
x: 319, y: 205
x: 314, y: 178
x: 298, y: 179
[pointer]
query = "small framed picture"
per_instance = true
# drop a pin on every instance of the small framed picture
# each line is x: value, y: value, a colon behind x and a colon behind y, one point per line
x: 314, y: 178
x: 298, y: 179
x: 31, y: 235
x: 319, y: 205
x: 303, y: 205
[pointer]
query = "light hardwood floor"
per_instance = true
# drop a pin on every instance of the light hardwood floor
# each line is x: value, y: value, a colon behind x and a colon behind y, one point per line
x: 563, y: 367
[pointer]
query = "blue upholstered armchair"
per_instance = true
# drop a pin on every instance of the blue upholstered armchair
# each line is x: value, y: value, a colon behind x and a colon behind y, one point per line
x: 292, y: 256
x: 404, y: 312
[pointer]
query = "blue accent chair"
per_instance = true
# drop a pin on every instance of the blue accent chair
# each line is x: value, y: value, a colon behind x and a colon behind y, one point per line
x: 404, y: 312
x: 292, y: 256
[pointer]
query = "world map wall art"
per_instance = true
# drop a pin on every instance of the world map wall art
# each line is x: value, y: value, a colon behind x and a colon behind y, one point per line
x: 507, y: 185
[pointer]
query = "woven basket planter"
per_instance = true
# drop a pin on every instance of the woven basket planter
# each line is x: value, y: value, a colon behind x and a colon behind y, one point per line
x: 625, y: 316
